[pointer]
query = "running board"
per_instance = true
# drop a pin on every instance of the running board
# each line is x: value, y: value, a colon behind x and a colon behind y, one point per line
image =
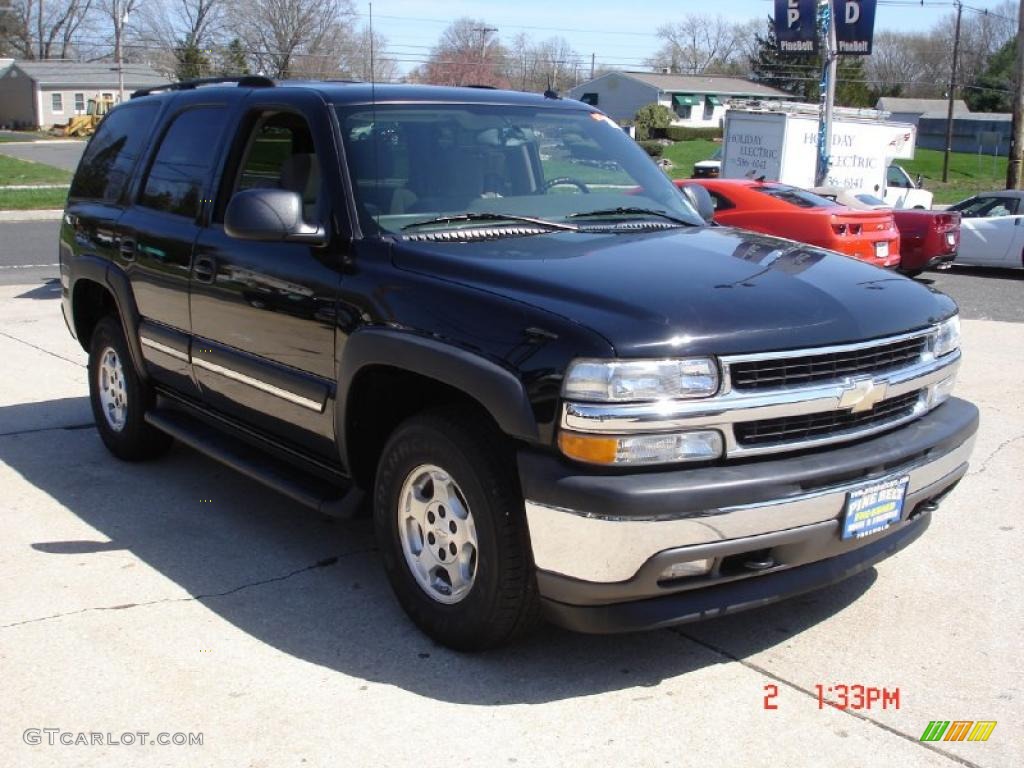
x: 307, y: 489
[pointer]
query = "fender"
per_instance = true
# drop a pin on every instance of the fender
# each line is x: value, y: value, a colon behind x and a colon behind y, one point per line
x: 116, y: 281
x: 496, y: 388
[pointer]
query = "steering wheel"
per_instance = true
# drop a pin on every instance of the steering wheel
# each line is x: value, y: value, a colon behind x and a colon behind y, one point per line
x: 559, y: 180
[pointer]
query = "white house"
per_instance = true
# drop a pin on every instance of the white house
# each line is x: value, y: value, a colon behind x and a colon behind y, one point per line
x: 698, y: 101
x: 38, y: 94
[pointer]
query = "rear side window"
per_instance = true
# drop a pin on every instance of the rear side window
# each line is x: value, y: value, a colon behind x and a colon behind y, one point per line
x: 107, y: 163
x: 183, y: 163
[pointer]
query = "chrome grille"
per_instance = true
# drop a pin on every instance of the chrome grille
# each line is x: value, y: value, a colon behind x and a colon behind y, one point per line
x: 807, y: 369
x: 811, y: 426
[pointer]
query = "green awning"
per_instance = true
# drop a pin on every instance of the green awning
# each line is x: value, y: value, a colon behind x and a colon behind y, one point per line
x: 685, y: 100
x: 714, y: 101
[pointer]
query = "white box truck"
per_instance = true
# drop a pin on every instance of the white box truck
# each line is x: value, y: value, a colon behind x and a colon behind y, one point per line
x: 779, y: 143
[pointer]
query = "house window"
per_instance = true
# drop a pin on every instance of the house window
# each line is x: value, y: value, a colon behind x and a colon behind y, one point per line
x: 79, y: 103
x: 108, y: 97
x: 589, y: 98
x: 57, y: 102
x: 683, y: 104
x: 710, y: 102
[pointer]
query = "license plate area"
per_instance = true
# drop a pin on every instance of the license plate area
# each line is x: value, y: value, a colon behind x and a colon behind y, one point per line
x: 872, y: 508
x: 882, y: 250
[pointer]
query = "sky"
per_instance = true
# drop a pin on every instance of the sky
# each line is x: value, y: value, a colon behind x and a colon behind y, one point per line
x: 619, y: 32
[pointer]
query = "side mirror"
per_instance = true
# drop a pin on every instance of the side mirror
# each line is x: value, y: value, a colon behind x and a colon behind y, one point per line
x: 700, y: 199
x: 919, y: 181
x: 271, y: 216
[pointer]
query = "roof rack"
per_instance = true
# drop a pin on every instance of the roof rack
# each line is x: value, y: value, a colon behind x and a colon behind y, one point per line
x: 243, y: 81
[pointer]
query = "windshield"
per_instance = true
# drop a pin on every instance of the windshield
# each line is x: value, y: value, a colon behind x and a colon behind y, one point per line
x: 413, y: 163
x: 794, y: 196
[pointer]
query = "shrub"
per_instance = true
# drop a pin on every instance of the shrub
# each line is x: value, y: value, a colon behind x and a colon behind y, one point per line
x: 686, y: 133
x: 650, y: 118
x: 652, y: 148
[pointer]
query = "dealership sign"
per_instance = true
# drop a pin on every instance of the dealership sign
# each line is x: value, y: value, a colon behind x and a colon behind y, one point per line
x: 796, y: 28
x: 855, y: 23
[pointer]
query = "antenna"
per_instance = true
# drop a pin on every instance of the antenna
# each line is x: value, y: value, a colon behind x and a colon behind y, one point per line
x: 374, y: 132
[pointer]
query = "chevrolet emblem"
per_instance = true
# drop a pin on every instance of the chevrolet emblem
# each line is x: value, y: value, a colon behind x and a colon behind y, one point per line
x: 863, y: 395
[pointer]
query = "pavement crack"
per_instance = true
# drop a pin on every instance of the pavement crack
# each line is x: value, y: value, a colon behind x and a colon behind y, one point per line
x: 44, y: 351
x: 84, y: 425
x: 813, y: 695
x: 326, y: 562
x: 1005, y: 444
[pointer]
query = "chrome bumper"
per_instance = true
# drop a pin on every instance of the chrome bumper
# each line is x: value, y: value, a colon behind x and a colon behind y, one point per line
x: 606, y: 549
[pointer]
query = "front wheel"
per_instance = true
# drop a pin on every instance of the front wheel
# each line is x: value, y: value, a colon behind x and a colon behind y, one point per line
x: 450, y: 524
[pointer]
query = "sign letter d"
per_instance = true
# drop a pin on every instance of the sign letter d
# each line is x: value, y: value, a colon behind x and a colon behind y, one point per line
x: 852, y: 11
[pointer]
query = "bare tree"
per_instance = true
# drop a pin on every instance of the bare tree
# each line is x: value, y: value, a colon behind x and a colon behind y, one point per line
x: 46, y: 30
x: 537, y: 65
x: 697, y: 43
x: 468, y: 53
x: 354, y: 57
x: 288, y: 38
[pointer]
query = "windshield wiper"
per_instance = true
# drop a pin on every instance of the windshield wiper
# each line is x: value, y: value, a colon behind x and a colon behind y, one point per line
x: 463, y: 217
x: 623, y: 211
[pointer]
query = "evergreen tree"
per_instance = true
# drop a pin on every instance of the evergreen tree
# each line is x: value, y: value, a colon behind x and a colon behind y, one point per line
x: 192, y: 61
x: 800, y: 73
x: 993, y: 88
x: 234, y: 61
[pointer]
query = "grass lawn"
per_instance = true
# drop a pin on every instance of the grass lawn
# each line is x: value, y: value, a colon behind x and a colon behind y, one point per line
x: 684, y: 154
x: 15, y: 171
x: 28, y: 199
x: 968, y: 173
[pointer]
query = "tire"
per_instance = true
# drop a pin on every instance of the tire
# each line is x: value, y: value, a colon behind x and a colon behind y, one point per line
x: 446, y: 457
x: 119, y: 398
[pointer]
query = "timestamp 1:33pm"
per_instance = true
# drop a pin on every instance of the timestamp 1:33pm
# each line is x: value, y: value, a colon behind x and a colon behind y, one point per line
x: 842, y: 696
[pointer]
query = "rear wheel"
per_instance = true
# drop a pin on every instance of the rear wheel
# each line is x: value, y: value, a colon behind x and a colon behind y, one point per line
x: 119, y: 398
x: 450, y: 524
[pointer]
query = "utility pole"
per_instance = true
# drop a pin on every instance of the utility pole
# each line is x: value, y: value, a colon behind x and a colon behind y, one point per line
x: 592, y: 66
x: 484, y: 31
x: 1014, y: 171
x: 952, y: 94
x: 828, y: 96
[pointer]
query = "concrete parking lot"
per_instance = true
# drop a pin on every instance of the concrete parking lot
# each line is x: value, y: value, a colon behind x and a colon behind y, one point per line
x: 179, y: 597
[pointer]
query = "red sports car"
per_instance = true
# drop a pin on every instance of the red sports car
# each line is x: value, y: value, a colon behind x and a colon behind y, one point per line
x: 928, y: 239
x: 785, y: 211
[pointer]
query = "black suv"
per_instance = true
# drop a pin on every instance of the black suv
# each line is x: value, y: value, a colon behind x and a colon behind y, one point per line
x: 560, y: 388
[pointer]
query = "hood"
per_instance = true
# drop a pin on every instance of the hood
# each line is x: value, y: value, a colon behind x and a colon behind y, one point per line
x: 701, y: 290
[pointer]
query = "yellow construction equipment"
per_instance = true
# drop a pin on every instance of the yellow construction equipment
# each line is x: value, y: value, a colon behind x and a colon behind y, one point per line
x: 85, y: 125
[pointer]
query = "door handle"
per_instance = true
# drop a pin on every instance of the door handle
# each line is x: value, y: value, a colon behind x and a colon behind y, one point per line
x: 204, y: 269
x: 127, y: 248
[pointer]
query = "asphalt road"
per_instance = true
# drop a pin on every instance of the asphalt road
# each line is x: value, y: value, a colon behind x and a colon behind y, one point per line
x: 28, y: 254
x: 28, y: 251
x: 57, y: 153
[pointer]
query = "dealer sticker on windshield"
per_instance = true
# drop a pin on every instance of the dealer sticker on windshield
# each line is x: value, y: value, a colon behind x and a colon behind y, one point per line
x: 874, y: 507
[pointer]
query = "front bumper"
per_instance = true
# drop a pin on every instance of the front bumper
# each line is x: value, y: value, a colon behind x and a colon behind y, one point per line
x: 601, y: 542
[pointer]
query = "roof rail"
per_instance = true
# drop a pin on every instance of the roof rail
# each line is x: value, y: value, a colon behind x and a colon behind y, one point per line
x: 243, y: 81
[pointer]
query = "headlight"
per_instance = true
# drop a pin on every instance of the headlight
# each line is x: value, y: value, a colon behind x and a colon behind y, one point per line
x: 947, y: 337
x: 620, y: 381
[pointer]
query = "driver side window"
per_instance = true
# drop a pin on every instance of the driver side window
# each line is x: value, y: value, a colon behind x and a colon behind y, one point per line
x: 280, y: 154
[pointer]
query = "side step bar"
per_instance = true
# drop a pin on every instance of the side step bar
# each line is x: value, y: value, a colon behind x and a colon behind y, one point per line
x: 308, y: 490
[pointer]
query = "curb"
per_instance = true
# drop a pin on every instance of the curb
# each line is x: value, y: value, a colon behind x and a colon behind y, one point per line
x: 44, y: 214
